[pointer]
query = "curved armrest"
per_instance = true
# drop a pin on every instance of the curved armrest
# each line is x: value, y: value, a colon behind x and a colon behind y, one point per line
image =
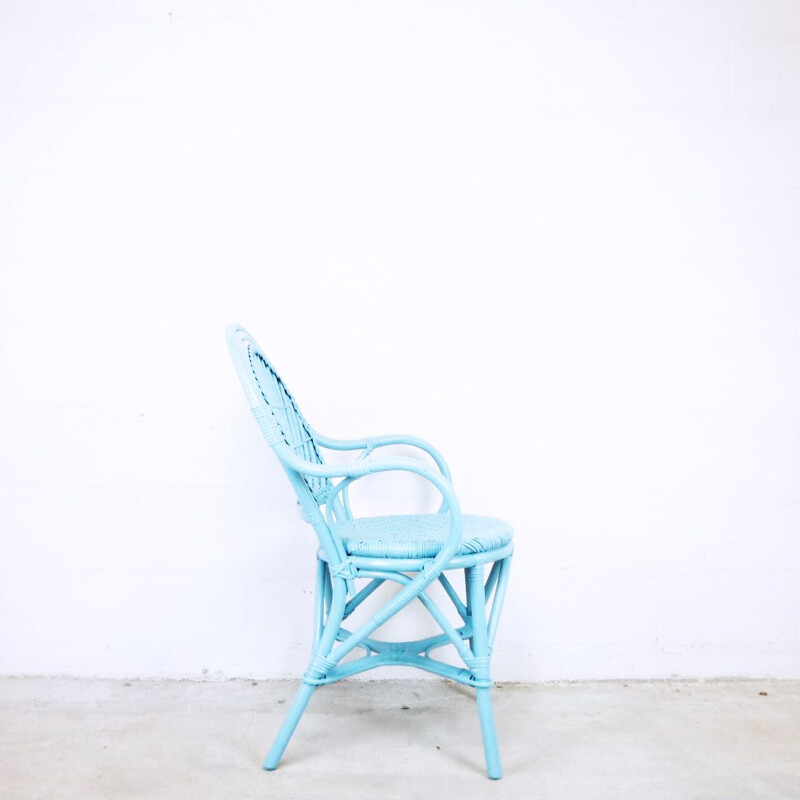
x: 431, y: 569
x: 368, y: 466
x: 370, y: 443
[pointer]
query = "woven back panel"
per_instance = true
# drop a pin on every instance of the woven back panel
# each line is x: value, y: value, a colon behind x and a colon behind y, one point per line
x: 289, y: 424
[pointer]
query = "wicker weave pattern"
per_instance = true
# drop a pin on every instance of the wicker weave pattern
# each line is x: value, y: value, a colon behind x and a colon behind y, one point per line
x: 419, y: 535
x: 291, y: 426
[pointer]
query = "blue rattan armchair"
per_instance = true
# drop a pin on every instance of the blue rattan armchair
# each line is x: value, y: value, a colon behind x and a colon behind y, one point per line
x: 357, y: 555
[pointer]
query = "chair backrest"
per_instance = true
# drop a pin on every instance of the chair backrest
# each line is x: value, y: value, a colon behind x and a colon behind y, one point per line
x: 283, y: 425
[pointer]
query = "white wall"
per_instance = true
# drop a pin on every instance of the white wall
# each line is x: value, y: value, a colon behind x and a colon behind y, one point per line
x: 560, y: 240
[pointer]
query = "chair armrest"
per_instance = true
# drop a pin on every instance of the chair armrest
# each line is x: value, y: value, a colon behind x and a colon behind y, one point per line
x: 370, y: 465
x: 371, y: 443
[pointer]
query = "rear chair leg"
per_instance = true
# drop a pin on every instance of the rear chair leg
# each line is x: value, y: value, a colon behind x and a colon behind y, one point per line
x: 289, y: 724
x: 321, y: 652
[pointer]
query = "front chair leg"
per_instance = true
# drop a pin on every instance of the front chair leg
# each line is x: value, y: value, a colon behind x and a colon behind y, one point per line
x: 480, y: 668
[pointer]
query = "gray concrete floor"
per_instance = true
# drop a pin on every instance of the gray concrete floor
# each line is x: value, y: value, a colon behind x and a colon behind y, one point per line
x: 67, y: 738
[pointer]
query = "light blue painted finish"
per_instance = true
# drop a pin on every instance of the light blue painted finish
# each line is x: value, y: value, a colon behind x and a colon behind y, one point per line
x: 418, y: 535
x: 359, y: 555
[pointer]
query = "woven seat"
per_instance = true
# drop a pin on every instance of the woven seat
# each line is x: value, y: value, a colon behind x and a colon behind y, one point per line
x: 419, y: 535
x: 359, y: 555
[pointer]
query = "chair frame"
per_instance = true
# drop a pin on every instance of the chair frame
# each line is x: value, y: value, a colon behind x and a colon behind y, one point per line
x: 319, y: 485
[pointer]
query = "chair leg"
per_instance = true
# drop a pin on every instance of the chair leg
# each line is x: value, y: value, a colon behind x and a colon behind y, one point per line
x: 480, y: 668
x: 470, y: 642
x: 289, y: 724
x: 491, y: 748
x: 321, y: 599
x: 322, y: 651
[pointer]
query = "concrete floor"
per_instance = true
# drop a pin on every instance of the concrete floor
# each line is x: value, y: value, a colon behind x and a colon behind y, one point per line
x: 66, y: 738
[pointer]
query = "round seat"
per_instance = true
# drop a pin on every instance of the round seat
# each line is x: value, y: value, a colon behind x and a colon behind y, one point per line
x: 419, y: 535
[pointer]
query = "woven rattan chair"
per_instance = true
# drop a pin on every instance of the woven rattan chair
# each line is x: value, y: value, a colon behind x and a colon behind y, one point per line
x: 357, y: 555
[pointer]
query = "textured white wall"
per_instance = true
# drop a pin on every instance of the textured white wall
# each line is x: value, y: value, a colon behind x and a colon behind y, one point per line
x: 560, y: 240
